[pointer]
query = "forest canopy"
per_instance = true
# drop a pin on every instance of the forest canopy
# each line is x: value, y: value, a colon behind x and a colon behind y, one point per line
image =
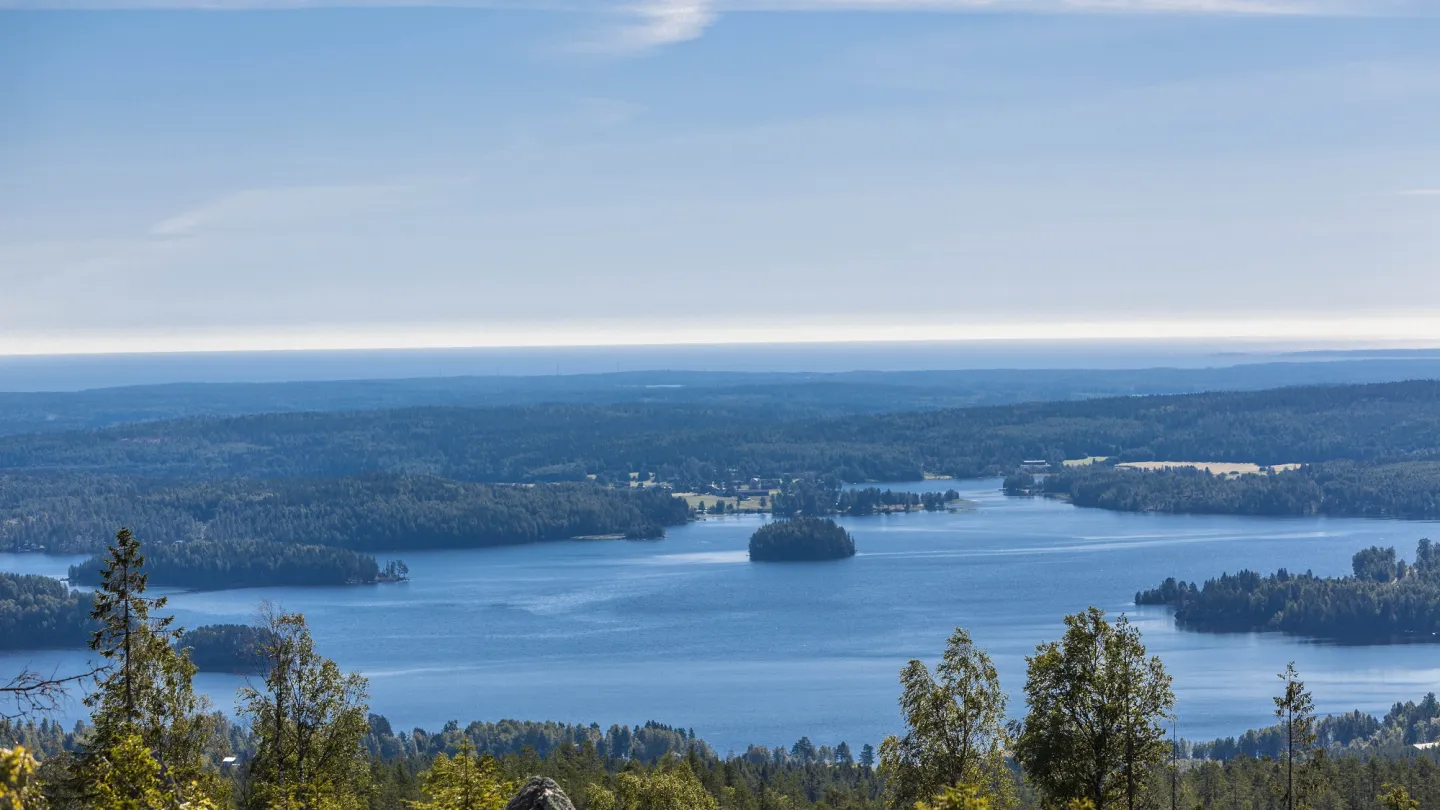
x: 68, y: 512
x: 1402, y: 490
x: 1383, y: 599
x: 801, y: 538
x: 697, y: 444
x: 38, y: 612
x: 220, y: 564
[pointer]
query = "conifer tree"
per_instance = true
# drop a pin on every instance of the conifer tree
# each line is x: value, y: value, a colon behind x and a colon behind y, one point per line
x: 146, y: 697
x: 1295, y: 709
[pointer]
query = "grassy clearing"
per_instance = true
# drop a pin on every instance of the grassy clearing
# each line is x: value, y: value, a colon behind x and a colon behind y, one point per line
x: 1085, y: 462
x: 1214, y: 467
x: 749, y: 505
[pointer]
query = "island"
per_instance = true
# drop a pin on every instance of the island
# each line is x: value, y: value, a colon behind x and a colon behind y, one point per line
x: 1384, y: 600
x: 207, y: 565
x: 39, y: 612
x: 801, y: 539
x: 230, y: 648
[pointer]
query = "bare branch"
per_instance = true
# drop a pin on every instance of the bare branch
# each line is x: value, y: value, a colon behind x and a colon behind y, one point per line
x: 30, y: 693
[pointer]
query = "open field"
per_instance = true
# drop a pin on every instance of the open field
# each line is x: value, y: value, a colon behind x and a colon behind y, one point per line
x: 1213, y: 467
x: 747, y: 505
x: 1084, y: 462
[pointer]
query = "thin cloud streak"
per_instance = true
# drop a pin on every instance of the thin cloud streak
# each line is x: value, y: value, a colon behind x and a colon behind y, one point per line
x: 676, y: 20
x: 656, y: 23
x: 1407, y: 327
x: 663, y: 22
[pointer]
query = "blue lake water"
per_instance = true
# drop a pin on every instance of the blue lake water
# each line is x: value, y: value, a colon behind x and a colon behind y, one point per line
x: 687, y: 631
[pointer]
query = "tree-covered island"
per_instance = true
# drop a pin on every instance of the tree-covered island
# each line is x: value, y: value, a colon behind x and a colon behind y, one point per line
x: 1384, y: 599
x: 800, y: 539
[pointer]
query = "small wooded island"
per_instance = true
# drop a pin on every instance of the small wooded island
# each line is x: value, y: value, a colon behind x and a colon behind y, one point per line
x: 1384, y: 600
x: 800, y: 539
x: 233, y: 648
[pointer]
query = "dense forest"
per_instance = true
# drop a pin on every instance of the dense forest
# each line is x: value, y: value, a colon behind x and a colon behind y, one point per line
x: 42, y: 407
x: 803, y: 775
x: 1350, y: 733
x: 1400, y: 490
x: 692, y: 444
x: 67, y: 512
x: 224, y: 647
x: 1383, y: 599
x: 801, y: 538
x: 214, y: 565
x: 41, y: 612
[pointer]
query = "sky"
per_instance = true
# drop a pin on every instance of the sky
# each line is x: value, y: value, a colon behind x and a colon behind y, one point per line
x: 265, y: 174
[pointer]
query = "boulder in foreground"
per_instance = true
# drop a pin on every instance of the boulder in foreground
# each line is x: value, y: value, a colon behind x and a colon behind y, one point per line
x: 540, y: 793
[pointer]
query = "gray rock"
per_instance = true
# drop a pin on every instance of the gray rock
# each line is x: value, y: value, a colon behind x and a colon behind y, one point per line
x: 540, y: 793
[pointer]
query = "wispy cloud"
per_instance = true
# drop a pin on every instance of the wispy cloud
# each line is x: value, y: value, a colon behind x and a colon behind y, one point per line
x: 665, y: 22
x: 661, y: 21
x: 1421, y: 192
x: 648, y: 24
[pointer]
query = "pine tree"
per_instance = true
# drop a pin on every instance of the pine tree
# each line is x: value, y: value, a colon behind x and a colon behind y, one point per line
x: 1295, y: 709
x: 147, y: 693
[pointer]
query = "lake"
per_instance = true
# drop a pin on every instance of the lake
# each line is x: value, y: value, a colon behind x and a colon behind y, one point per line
x: 686, y: 631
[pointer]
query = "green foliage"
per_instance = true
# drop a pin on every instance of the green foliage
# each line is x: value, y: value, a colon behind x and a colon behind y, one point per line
x: 696, y: 444
x: 803, y: 538
x: 1387, y: 599
x: 956, y: 798
x: 1396, y: 797
x: 1093, y: 729
x: 126, y: 776
x: 73, y: 511
x: 225, y: 648
x: 465, y: 782
x: 38, y: 612
x: 310, y: 722
x: 146, y: 696
x: 1404, y: 490
x: 1020, y: 483
x: 217, y: 565
x: 1295, y: 710
x: 19, y: 789
x: 669, y: 787
x: 955, y: 729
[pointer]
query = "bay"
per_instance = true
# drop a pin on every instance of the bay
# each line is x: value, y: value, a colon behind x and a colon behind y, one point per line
x: 687, y: 631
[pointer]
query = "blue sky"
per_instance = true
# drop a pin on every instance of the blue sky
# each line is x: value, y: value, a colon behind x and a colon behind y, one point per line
x: 202, y: 175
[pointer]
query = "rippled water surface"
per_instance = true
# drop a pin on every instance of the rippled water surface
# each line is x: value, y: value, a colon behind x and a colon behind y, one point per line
x: 686, y: 631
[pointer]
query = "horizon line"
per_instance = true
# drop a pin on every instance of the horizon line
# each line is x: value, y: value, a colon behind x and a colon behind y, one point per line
x: 1418, y: 329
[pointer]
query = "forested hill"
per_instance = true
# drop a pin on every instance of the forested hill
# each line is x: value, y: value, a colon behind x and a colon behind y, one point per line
x: 27, y: 410
x: 217, y: 565
x: 68, y: 512
x: 1409, y: 490
x: 693, y: 443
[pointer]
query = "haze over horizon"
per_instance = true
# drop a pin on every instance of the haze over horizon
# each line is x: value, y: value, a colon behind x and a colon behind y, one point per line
x: 371, y: 174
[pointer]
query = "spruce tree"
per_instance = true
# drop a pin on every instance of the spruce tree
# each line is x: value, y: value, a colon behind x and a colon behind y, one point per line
x: 1295, y: 710
x: 145, y: 699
